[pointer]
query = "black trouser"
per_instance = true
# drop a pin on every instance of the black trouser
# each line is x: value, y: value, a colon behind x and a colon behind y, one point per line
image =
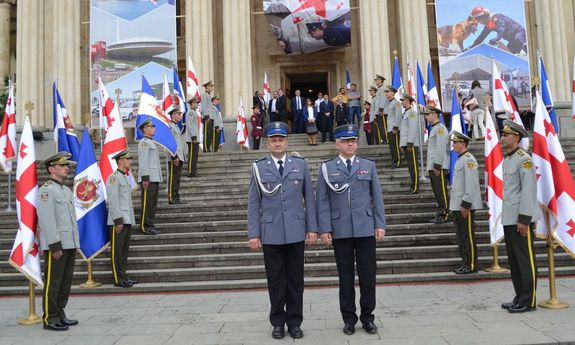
x: 282, y: 116
x: 394, y: 148
x: 360, y: 252
x: 120, y: 248
x: 193, y: 150
x: 465, y: 230
x: 208, y: 134
x: 58, y: 276
x: 149, y: 202
x: 326, y: 127
x: 412, y: 157
x: 284, y: 273
x: 174, y: 174
x: 439, y: 185
x: 369, y: 137
x: 274, y: 116
x: 297, y: 121
x: 522, y: 265
x: 256, y: 143
x: 383, y: 127
x: 376, y: 133
x: 216, y: 140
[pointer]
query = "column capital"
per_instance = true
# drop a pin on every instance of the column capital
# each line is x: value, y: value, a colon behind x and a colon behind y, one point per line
x: 8, y: 2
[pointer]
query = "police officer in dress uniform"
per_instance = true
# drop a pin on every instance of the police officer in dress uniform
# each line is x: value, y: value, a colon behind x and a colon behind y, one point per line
x: 208, y: 115
x: 438, y: 163
x: 410, y: 140
x: 59, y: 239
x: 351, y: 216
x: 393, y: 110
x: 281, y: 215
x: 465, y: 199
x: 120, y: 218
x: 191, y: 137
x: 178, y: 159
x: 149, y: 176
x: 518, y: 216
x: 334, y: 35
x: 378, y: 104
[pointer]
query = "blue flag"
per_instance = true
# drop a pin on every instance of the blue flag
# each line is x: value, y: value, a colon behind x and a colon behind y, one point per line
x: 181, y: 97
x: 63, y: 129
x: 457, y: 124
x: 396, y: 80
x: 89, y: 200
x: 546, y: 96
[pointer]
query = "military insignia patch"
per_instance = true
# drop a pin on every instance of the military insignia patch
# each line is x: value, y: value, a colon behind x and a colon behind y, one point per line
x: 86, y: 192
x: 527, y: 165
x: 470, y: 165
x: 411, y: 115
x: 44, y: 195
x: 112, y: 180
x: 440, y: 131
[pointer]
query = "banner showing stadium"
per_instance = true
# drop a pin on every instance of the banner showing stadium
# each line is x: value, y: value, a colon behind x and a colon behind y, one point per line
x: 129, y: 38
x: 469, y: 34
x: 306, y: 26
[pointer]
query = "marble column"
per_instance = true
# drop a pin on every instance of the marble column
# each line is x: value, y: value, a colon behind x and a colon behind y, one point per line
x: 237, y: 56
x: 374, y: 33
x: 5, y: 7
x: 414, y: 34
x: 200, y: 38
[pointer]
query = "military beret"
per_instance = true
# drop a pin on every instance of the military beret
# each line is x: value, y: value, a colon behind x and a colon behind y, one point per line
x: 145, y: 123
x: 122, y: 154
x: 380, y: 77
x: 406, y: 96
x: 390, y: 88
x: 432, y: 109
x: 276, y: 129
x: 313, y: 26
x: 346, y: 132
x: 208, y: 83
x: 514, y: 128
x: 60, y: 158
x: 459, y: 137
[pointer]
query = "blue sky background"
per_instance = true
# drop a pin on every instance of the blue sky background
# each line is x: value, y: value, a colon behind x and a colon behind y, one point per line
x: 129, y: 9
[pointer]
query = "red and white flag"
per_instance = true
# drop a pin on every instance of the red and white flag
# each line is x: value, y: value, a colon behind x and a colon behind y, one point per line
x: 25, y: 252
x: 555, y: 186
x: 167, y: 102
x: 242, y: 127
x: 266, y: 90
x: 411, y: 90
x: 115, y: 140
x: 502, y: 101
x: 192, y: 85
x: 493, y: 179
x: 573, y: 93
x: 8, y: 133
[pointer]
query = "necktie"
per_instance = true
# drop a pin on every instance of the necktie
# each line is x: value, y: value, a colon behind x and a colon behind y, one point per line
x: 348, y: 163
x: 281, y: 168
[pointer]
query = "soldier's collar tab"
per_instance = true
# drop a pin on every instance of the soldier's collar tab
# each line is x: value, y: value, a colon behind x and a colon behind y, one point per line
x: 56, y: 181
x: 513, y: 152
x: 462, y: 153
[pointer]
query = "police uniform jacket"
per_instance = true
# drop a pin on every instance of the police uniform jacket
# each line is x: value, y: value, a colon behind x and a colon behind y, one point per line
x: 177, y: 133
x: 119, y: 199
x: 149, y: 161
x: 438, y: 148
x: 393, y: 111
x: 337, y: 35
x: 207, y: 106
x: 519, y: 189
x: 57, y: 217
x: 191, y: 126
x: 465, y: 190
x: 357, y: 210
x: 287, y: 215
x: 410, y: 135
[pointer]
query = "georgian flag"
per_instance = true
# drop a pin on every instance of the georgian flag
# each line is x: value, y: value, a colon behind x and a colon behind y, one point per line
x: 64, y: 134
x: 267, y: 91
x: 8, y: 133
x: 192, y: 85
x: 546, y: 95
x: 432, y: 96
x: 179, y: 90
x: 573, y: 92
x: 167, y: 102
x: 411, y: 90
x: 493, y: 179
x: 242, y: 127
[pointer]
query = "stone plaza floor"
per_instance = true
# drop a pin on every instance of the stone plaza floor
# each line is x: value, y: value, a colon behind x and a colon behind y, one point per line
x: 430, y: 314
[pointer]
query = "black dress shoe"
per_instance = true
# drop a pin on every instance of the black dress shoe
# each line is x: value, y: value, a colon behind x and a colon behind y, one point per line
x: 348, y: 329
x: 124, y: 284
x: 156, y: 230
x: 132, y: 281
x: 56, y: 327
x: 278, y: 332
x: 150, y: 232
x: 519, y: 309
x: 507, y: 306
x: 413, y: 192
x: 466, y: 270
x: 69, y: 322
x: 370, y: 327
x: 458, y: 270
x: 295, y: 332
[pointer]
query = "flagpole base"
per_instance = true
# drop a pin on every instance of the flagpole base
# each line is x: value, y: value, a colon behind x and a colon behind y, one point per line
x: 31, y: 319
x: 90, y: 284
x: 553, y: 303
x: 496, y: 269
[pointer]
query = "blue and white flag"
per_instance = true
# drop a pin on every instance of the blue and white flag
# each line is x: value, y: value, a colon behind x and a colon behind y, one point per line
x: 396, y: 80
x: 546, y: 95
x: 422, y: 98
x: 89, y: 199
x: 457, y: 124
x: 150, y: 109
x: 347, y: 80
x: 64, y: 134
x: 181, y: 98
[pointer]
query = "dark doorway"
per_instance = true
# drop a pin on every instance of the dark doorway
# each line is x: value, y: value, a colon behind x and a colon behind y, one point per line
x: 310, y: 84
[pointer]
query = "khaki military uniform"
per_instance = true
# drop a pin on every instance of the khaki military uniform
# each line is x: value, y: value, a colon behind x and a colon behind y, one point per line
x: 438, y: 158
x: 149, y: 170
x: 208, y: 114
x: 191, y: 137
x: 175, y: 171
x: 393, y: 111
x: 410, y: 140
x: 380, y: 118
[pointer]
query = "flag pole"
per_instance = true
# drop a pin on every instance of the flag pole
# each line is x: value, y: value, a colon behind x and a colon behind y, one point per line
x: 90, y: 283
x: 9, y: 207
x: 552, y: 302
x: 495, y: 268
x: 32, y: 317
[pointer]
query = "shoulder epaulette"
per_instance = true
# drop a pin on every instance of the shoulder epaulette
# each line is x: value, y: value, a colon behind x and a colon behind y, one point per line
x: 261, y: 159
x: 367, y: 159
x: 520, y: 152
x: 329, y: 160
x: 468, y: 154
x: 298, y: 157
x: 47, y: 183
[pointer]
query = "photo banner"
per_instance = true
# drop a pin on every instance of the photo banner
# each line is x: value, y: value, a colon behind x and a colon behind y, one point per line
x: 470, y: 34
x: 128, y: 39
x: 307, y: 26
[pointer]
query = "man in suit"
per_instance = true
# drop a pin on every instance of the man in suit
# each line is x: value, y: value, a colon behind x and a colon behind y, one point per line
x: 273, y: 107
x: 519, y: 214
x: 281, y: 106
x: 260, y: 101
x: 120, y: 218
x: 208, y: 115
x: 297, y: 104
x: 191, y: 137
x: 281, y: 215
x: 59, y: 239
x: 326, y: 115
x: 351, y: 216
x: 465, y: 199
x: 177, y: 160
x: 438, y: 163
x: 149, y: 176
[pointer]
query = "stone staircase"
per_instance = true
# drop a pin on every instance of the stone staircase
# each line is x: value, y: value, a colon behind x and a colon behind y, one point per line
x: 203, y: 245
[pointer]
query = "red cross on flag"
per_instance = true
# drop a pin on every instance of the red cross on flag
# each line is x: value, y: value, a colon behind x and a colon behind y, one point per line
x: 8, y: 133
x: 242, y: 127
x: 493, y: 179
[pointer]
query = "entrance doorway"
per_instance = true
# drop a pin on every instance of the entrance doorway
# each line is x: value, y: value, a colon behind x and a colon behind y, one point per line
x: 310, y: 84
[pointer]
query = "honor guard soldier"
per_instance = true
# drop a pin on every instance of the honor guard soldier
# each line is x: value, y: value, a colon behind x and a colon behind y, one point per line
x: 191, y: 137
x: 410, y: 140
x: 351, y: 216
x: 149, y: 176
x: 378, y: 104
x: 218, y: 123
x: 120, y: 218
x: 208, y: 115
x: 393, y: 111
x: 59, y: 239
x: 438, y: 163
x: 465, y: 199
x: 178, y: 159
x: 518, y: 217
x: 281, y: 215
